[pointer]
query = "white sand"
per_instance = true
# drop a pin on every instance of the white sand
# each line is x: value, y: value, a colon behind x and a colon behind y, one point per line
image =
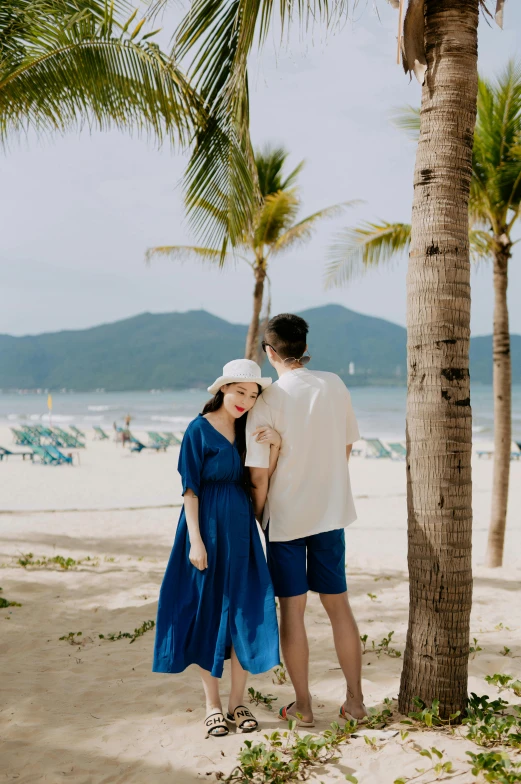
x: 95, y: 713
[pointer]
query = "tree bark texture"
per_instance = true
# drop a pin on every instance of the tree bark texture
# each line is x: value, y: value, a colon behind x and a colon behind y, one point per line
x: 439, y: 418
x: 502, y: 380
x: 252, y: 338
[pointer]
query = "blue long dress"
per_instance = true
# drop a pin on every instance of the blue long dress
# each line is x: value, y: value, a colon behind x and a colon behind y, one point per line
x: 201, y: 614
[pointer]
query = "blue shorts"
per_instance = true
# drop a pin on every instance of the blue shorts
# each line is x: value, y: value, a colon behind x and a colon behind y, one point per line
x: 313, y: 563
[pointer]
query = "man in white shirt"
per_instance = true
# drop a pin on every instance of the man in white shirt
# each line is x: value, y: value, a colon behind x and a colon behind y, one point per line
x: 309, y: 503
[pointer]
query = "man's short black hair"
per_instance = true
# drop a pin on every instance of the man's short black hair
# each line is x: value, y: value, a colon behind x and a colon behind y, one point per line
x: 287, y: 334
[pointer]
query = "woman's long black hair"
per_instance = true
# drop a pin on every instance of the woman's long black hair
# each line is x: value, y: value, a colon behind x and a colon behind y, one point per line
x: 240, y: 424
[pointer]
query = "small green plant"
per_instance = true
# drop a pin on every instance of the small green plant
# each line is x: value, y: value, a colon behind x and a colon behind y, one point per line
x: 6, y: 603
x: 257, y: 698
x: 439, y: 767
x: 372, y: 596
x: 495, y: 767
x: 280, y: 675
x: 28, y: 559
x: 146, y: 626
x: 382, y: 577
x: 504, y: 682
x: 372, y: 742
x: 488, y: 724
x: 288, y: 757
x: 429, y: 716
x: 378, y: 719
x: 72, y: 638
x: 473, y: 649
x: 505, y: 651
x: 499, y: 628
x: 384, y: 646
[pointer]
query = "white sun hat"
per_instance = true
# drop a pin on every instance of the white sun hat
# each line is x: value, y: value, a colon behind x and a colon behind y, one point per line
x: 240, y: 370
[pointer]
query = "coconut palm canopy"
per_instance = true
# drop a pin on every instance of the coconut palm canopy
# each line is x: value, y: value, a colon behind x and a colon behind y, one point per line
x: 66, y: 63
x: 274, y: 229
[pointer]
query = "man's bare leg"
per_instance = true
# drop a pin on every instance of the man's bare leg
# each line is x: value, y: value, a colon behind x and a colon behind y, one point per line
x: 295, y: 651
x: 348, y: 650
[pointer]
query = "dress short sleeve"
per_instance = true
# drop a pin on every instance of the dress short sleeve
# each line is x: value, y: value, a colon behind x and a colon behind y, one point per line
x: 191, y: 459
x: 352, y: 432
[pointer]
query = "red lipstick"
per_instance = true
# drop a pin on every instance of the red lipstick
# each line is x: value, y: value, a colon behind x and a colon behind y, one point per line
x: 240, y: 409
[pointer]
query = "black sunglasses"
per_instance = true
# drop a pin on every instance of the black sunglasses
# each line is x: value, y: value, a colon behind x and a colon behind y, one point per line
x: 304, y: 359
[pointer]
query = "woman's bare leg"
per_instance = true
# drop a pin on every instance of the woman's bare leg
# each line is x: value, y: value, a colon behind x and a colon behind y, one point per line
x: 239, y: 678
x: 211, y: 693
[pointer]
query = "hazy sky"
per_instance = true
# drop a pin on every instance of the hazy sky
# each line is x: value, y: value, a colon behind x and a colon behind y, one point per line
x: 79, y: 212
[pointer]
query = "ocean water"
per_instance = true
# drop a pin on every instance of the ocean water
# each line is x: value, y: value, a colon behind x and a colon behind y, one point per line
x: 380, y: 410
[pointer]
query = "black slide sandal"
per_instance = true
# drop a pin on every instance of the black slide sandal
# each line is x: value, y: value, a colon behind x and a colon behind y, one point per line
x: 242, y: 716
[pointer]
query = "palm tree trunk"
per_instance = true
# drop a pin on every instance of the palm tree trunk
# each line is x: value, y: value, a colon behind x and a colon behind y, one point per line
x: 439, y: 419
x: 252, y: 339
x: 502, y: 409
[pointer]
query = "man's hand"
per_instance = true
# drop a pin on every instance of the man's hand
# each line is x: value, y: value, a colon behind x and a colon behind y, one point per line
x: 198, y: 555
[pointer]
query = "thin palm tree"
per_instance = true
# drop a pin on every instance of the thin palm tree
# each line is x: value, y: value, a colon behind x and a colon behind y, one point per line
x: 274, y: 230
x: 494, y: 210
x: 67, y: 63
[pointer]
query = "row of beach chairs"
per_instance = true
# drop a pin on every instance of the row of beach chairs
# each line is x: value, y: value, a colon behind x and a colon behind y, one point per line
x: 39, y: 435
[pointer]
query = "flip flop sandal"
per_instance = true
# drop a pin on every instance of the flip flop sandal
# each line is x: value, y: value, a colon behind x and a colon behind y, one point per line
x: 348, y: 717
x: 285, y: 715
x: 215, y: 725
x: 243, y: 716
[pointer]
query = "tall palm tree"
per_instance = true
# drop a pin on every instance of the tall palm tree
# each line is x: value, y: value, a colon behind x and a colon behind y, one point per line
x: 66, y: 63
x: 495, y: 208
x: 273, y: 230
x: 440, y: 46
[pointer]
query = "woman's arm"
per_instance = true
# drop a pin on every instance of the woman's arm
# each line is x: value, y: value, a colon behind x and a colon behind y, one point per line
x: 198, y: 555
x: 274, y: 458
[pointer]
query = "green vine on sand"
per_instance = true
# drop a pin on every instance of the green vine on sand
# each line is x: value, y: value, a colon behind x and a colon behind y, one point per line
x: 139, y: 632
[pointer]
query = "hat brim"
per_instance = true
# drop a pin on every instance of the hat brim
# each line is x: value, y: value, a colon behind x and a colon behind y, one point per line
x: 222, y: 380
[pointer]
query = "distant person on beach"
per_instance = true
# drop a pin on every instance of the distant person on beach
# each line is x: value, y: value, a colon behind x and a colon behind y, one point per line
x: 309, y: 504
x: 216, y: 600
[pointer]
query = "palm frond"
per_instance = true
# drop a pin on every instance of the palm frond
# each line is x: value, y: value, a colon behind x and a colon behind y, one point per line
x: 276, y: 215
x: 361, y: 247
x: 269, y: 163
x: 407, y: 118
x: 67, y: 71
x: 184, y: 253
x: 303, y: 230
x: 219, y: 34
x: 481, y: 245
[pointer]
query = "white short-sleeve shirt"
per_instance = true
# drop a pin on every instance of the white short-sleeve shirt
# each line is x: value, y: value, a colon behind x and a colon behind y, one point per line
x: 310, y: 490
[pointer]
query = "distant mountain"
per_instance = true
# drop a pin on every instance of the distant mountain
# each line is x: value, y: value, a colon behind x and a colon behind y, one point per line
x: 183, y: 350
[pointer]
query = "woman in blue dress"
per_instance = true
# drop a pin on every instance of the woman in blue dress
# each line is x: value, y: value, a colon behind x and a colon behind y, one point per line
x: 216, y: 600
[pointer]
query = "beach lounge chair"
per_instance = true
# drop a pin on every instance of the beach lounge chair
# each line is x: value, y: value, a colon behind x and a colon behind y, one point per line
x: 100, y: 433
x: 24, y: 453
x: 515, y: 454
x: 21, y: 438
x: 398, y: 450
x: 67, y: 439
x: 138, y: 446
x: 157, y: 438
x: 376, y: 449
x: 172, y: 439
x: 57, y: 455
x: 44, y: 456
x: 77, y: 432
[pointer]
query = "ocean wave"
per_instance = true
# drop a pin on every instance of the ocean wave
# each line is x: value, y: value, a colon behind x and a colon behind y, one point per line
x: 178, y: 420
x: 102, y: 408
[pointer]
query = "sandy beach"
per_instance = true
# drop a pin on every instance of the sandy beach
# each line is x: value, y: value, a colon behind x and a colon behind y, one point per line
x: 94, y: 713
